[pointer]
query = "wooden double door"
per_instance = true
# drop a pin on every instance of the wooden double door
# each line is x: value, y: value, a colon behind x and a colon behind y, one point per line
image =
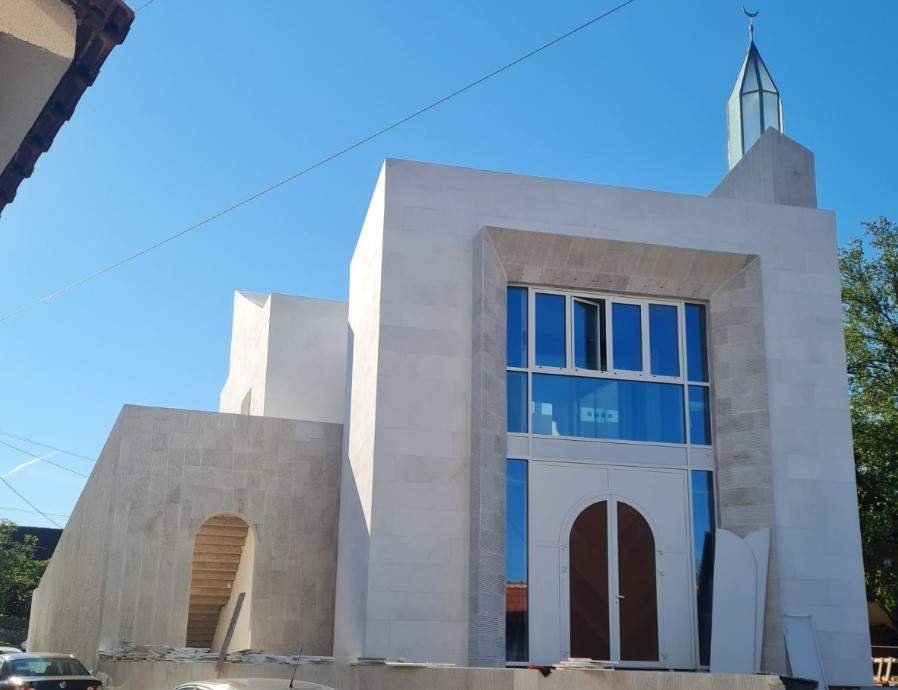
x: 613, y: 587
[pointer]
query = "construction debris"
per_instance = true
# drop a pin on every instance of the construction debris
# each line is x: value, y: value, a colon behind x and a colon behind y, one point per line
x: 581, y: 664
x: 128, y: 651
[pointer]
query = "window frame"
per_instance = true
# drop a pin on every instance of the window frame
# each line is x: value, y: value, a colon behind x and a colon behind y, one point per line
x: 645, y: 375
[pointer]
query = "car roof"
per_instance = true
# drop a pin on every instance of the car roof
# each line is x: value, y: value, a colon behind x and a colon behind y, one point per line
x: 254, y: 684
x: 33, y: 655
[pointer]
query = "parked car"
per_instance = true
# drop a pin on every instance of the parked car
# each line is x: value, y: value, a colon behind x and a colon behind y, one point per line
x: 10, y: 650
x: 251, y: 684
x: 45, y: 672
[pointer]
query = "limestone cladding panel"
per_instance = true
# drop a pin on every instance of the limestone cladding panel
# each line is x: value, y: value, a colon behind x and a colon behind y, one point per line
x: 360, y: 401
x: 418, y: 452
x: 160, y: 476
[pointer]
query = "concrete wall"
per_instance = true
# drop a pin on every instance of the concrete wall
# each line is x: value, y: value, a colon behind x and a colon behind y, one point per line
x: 166, y: 675
x: 418, y: 446
x: 37, y: 44
x: 122, y: 568
x: 357, y: 473
x: 289, y: 354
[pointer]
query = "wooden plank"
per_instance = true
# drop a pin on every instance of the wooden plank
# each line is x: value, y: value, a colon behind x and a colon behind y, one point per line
x: 229, y: 634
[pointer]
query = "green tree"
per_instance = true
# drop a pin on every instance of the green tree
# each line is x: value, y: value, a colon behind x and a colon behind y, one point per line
x: 870, y: 309
x: 20, y: 573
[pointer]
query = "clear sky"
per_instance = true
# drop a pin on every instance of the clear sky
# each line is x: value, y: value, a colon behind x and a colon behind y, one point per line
x: 210, y: 100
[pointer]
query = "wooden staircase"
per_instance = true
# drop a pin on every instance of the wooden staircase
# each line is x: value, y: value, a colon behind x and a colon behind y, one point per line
x: 217, y: 549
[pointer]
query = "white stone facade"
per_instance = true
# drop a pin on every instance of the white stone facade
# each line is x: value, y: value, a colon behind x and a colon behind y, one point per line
x: 414, y: 369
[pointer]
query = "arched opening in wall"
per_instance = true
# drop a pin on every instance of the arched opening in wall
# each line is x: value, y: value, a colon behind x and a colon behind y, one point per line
x: 223, y: 557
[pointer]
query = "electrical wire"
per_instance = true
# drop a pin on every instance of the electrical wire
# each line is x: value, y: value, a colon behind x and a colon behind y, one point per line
x: 327, y: 159
x: 42, y: 459
x: 25, y: 439
x: 32, y: 512
x: 34, y: 507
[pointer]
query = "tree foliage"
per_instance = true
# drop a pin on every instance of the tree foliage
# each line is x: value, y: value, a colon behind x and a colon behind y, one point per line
x: 870, y: 309
x: 20, y: 573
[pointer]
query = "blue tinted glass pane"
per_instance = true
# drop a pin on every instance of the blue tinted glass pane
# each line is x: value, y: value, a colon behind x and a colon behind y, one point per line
x: 664, y: 340
x: 550, y: 326
x: 626, y: 329
x: 696, y: 343
x: 607, y: 408
x: 516, y: 562
x: 516, y: 331
x: 703, y: 541
x: 586, y: 335
x: 699, y: 416
x: 516, y: 390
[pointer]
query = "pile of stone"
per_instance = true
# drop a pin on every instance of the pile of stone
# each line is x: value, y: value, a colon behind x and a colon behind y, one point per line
x: 398, y: 661
x: 581, y: 664
x: 128, y: 651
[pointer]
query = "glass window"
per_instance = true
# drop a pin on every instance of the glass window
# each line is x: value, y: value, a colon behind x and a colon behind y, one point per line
x: 550, y: 330
x: 664, y: 340
x: 750, y: 82
x: 607, y: 408
x: 516, y: 605
x: 626, y: 329
x: 696, y: 343
x: 751, y: 119
x: 699, y: 416
x: 516, y: 330
x: 589, y: 334
x: 516, y: 399
x: 703, y: 541
x: 771, y: 110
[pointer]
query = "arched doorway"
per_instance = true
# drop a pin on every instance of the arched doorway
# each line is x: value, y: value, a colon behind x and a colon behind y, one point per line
x: 613, y: 584
x: 222, y: 568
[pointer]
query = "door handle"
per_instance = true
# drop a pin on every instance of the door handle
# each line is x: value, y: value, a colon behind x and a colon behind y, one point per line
x: 620, y: 596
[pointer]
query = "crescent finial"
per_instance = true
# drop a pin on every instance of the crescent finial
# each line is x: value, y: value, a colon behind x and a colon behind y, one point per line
x: 750, y: 15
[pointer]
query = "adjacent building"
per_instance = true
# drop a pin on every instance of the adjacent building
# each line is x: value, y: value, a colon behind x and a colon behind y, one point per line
x: 554, y: 420
x: 51, y: 51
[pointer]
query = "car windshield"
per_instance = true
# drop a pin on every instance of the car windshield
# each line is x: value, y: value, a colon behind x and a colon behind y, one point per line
x: 37, y: 666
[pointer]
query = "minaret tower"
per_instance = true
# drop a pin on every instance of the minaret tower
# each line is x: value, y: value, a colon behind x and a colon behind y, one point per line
x: 755, y: 103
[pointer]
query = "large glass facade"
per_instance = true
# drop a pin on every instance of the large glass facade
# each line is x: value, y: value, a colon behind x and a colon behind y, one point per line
x: 516, y: 599
x: 596, y: 365
x: 591, y: 407
x: 703, y: 525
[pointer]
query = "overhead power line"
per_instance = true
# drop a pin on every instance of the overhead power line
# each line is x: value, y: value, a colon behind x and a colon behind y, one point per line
x: 31, y: 512
x: 38, y: 458
x: 34, y: 507
x: 327, y: 159
x: 25, y: 439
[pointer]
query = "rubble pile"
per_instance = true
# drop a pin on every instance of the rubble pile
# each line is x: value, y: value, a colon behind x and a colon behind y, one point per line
x: 128, y: 651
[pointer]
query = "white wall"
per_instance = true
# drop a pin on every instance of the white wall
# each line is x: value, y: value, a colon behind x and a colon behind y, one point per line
x: 417, y: 449
x: 289, y: 354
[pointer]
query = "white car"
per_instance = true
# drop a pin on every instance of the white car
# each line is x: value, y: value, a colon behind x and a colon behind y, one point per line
x: 251, y: 684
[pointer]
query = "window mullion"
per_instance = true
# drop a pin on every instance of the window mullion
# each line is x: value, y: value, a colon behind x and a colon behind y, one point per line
x: 646, y: 345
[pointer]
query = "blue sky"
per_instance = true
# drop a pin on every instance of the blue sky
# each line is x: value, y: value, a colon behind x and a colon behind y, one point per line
x: 208, y: 101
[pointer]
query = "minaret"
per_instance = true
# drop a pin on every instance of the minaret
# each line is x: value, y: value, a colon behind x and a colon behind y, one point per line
x: 755, y: 103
